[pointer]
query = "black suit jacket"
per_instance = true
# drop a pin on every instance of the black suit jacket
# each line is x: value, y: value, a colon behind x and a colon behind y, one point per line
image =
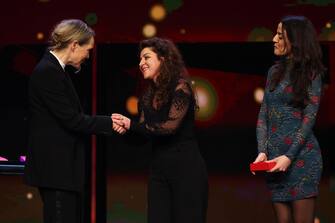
x: 58, y: 128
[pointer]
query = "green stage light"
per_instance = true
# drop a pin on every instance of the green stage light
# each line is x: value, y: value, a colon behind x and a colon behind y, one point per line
x: 207, y: 99
x: 91, y: 19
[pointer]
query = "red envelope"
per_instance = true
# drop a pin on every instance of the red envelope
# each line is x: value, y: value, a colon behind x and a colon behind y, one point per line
x: 261, y: 166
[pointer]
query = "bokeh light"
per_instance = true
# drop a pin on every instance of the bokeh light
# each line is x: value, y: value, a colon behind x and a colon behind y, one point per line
x: 207, y: 99
x: 328, y: 32
x: 260, y: 34
x: 29, y: 196
x: 149, y: 30
x: 3, y: 159
x: 91, y: 19
x: 40, y: 36
x: 328, y: 25
x: 157, y: 12
x: 172, y: 5
x: 258, y: 95
x: 131, y: 105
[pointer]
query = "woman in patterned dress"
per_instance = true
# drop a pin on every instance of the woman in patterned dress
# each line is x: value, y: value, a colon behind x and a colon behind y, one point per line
x: 178, y: 186
x: 286, y: 118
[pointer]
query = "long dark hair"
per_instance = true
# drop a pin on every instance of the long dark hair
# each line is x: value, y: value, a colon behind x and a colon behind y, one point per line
x: 171, y: 70
x: 305, y: 61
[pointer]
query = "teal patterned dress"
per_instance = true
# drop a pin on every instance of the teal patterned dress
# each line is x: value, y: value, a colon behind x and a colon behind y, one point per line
x: 285, y: 130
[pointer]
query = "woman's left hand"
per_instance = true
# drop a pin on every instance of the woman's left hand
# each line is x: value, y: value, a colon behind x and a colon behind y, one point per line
x: 282, y: 164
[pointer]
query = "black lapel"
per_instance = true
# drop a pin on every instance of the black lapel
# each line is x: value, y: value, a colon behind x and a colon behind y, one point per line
x: 67, y: 80
x: 73, y: 91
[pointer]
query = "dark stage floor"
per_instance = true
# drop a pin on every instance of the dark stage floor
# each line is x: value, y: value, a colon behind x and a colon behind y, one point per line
x: 232, y: 199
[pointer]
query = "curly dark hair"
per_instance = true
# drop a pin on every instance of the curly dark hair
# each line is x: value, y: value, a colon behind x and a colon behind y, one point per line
x: 172, y: 67
x: 304, y: 62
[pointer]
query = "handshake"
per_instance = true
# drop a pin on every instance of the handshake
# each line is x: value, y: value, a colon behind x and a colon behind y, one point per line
x: 121, y: 123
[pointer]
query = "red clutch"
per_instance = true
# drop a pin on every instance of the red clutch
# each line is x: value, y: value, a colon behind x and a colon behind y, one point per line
x: 261, y: 166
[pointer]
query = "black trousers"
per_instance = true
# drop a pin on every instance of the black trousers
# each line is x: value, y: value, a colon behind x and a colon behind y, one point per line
x: 61, y: 206
x: 178, y: 186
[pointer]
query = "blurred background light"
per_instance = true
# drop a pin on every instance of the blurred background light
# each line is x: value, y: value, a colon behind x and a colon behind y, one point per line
x: 207, y: 99
x: 328, y: 32
x: 29, y: 195
x: 182, y: 31
x: 40, y: 36
x: 172, y: 5
x: 3, y: 159
x: 157, y: 12
x: 149, y: 30
x: 328, y: 25
x: 91, y: 18
x: 131, y: 105
x: 260, y: 34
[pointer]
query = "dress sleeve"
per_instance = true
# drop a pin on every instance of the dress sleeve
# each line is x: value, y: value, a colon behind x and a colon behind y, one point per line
x: 178, y: 109
x: 309, y: 117
x: 262, y: 124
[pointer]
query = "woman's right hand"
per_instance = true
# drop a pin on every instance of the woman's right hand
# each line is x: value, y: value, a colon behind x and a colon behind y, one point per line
x: 260, y: 158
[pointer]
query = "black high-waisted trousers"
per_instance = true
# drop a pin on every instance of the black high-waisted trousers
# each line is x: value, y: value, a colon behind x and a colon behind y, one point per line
x: 178, y: 185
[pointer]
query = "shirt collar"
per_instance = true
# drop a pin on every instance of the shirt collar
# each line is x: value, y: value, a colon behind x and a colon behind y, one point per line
x: 60, y: 62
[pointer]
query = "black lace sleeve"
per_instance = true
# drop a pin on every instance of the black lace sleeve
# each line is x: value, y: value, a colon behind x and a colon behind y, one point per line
x: 179, y: 107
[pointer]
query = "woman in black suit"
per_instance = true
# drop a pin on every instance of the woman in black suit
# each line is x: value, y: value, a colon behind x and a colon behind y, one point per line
x: 58, y: 126
x: 178, y: 187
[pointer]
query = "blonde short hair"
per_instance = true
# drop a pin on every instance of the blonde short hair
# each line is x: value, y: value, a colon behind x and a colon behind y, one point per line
x: 67, y: 31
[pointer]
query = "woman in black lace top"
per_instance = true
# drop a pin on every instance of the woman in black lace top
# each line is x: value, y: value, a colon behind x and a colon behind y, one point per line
x: 178, y: 186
